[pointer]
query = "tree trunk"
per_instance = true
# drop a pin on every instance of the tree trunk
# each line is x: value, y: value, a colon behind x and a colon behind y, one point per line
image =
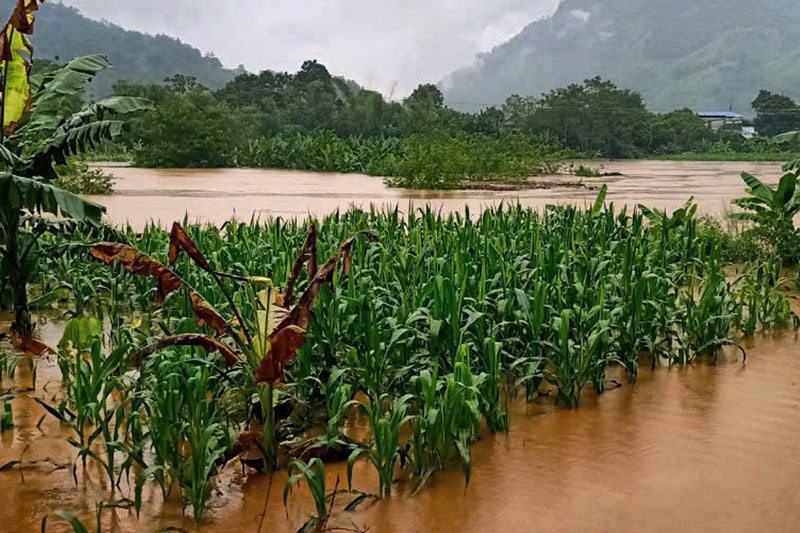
x: 17, y: 277
x: 23, y: 324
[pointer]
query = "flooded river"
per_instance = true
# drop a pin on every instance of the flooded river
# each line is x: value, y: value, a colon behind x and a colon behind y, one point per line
x: 706, y: 448
x: 216, y: 195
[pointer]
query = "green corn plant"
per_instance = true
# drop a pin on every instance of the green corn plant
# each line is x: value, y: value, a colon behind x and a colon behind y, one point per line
x: 89, y: 379
x: 450, y: 414
x: 490, y: 388
x: 575, y: 362
x: 763, y: 293
x: 384, y: 451
x: 207, y: 442
x: 313, y: 473
x: 708, y: 318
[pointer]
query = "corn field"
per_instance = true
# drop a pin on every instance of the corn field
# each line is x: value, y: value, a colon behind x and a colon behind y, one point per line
x: 425, y: 325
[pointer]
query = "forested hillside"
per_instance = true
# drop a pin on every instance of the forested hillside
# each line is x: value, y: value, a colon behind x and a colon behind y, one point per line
x: 709, y: 55
x: 63, y: 32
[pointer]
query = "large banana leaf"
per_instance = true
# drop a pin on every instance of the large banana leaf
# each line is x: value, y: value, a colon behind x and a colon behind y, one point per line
x: 757, y: 188
x: 37, y: 197
x: 786, y: 190
x: 16, y: 56
x: 15, y: 96
x: 50, y: 91
x: 66, y: 142
x: 110, y: 108
x: 82, y: 131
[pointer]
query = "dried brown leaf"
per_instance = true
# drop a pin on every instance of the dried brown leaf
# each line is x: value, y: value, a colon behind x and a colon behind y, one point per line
x: 21, y: 20
x: 180, y: 240
x: 31, y: 345
x: 347, y: 246
x: 283, y: 351
x: 205, y: 315
x: 140, y: 264
x: 307, y: 252
x: 299, y: 314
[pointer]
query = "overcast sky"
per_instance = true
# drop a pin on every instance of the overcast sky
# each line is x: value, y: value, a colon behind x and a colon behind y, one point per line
x: 387, y: 45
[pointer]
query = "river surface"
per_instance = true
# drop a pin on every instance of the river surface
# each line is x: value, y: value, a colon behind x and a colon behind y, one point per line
x: 710, y: 448
x: 215, y: 196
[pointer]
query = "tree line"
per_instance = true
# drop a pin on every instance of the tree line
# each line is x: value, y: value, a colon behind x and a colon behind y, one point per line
x: 193, y: 126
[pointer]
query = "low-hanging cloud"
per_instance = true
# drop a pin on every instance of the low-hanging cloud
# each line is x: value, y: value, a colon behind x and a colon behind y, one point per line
x: 389, y: 46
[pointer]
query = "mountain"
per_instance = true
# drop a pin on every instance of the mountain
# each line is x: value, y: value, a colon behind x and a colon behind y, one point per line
x: 63, y: 33
x: 709, y: 55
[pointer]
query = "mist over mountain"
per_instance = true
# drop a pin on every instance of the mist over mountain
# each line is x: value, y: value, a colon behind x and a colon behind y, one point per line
x: 63, y: 33
x: 707, y: 55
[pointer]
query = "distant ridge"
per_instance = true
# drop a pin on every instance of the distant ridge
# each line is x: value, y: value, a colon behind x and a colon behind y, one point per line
x: 62, y: 33
x: 707, y: 55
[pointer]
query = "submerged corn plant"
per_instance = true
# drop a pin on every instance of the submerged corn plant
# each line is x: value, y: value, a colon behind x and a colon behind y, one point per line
x: 384, y: 452
x: 253, y: 350
x: 313, y: 473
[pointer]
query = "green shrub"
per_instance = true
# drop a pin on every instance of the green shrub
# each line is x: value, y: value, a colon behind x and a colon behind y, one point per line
x: 78, y: 178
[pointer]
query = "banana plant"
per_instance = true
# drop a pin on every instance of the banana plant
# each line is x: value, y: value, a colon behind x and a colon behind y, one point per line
x: 773, y: 211
x: 34, y: 137
x: 262, y: 344
x: 780, y: 203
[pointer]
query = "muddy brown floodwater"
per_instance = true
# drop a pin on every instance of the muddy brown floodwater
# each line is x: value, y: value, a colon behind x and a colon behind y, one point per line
x: 705, y: 448
x: 142, y: 195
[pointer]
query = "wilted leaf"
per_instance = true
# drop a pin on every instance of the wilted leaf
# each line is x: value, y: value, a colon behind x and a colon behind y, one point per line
x: 283, y: 350
x: 30, y: 345
x: 205, y: 315
x: 22, y: 17
x: 307, y: 252
x: 180, y: 240
x: 270, y: 312
x: 138, y: 263
x: 209, y: 344
x: 347, y: 246
x: 299, y: 314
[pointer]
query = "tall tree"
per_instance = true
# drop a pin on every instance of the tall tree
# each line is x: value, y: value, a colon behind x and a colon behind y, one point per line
x: 775, y: 114
x: 596, y: 116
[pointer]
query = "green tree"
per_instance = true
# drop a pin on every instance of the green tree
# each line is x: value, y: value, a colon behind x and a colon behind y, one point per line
x: 193, y: 130
x: 596, y: 116
x: 775, y: 114
x: 674, y: 132
x: 519, y: 112
x: 424, y: 107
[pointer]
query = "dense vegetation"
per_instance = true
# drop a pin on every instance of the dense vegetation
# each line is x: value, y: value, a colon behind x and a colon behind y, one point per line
x: 312, y: 120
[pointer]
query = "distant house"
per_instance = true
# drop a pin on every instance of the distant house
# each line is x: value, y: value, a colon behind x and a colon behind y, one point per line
x: 723, y: 120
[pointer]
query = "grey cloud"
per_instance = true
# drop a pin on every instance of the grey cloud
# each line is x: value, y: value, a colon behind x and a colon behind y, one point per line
x: 390, y: 46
